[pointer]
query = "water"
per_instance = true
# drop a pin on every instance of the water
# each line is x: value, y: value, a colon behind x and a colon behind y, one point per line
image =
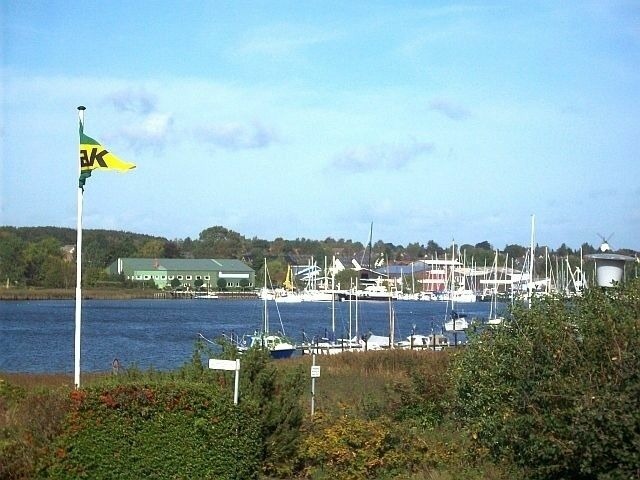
x: 38, y: 336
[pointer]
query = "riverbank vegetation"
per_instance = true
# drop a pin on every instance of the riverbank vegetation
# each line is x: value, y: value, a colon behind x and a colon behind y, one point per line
x: 553, y: 393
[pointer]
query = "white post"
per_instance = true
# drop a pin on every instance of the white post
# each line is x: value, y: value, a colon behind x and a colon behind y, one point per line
x: 78, y: 315
x: 237, y: 382
x: 228, y: 365
x: 315, y: 373
x: 313, y: 388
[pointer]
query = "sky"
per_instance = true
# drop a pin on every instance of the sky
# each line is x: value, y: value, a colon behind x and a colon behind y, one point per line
x: 432, y: 120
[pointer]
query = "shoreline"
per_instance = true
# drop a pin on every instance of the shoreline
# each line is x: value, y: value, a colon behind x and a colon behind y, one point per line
x: 22, y: 294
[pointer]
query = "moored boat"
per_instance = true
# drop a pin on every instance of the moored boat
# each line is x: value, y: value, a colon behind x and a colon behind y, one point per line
x: 434, y: 342
x: 277, y: 343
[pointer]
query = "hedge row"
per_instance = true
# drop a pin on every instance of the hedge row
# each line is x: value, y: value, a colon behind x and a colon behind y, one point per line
x: 175, y: 431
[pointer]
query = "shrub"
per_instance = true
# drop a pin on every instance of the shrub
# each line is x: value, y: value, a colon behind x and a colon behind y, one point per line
x: 354, y: 448
x: 29, y: 423
x: 276, y: 397
x: 172, y: 430
x: 556, y: 390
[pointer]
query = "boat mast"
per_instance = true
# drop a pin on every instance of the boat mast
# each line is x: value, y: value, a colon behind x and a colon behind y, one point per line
x: 531, y: 258
x: 391, y: 313
x: 369, y: 246
x: 333, y: 297
x: 265, y: 325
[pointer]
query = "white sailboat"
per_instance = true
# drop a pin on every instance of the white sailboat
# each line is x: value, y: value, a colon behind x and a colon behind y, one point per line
x: 287, y: 294
x: 332, y: 346
x: 457, y: 322
x: 312, y: 293
x: 278, y: 345
x: 494, y: 319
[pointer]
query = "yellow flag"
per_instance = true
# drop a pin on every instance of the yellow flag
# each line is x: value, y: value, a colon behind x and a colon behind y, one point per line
x: 94, y: 156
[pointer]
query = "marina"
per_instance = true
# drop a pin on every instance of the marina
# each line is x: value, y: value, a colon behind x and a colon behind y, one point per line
x: 38, y: 336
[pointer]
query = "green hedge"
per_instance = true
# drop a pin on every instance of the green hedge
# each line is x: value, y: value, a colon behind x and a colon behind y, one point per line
x: 556, y: 390
x: 180, y: 430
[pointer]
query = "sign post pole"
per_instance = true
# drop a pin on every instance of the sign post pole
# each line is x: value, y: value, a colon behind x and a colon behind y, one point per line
x: 229, y: 365
x: 315, y: 373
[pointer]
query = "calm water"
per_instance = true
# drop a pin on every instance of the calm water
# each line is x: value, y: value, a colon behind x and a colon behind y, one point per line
x: 38, y: 336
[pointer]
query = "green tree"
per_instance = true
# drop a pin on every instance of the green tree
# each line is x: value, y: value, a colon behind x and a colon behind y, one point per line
x: 277, y: 401
x: 58, y: 273
x: 12, y: 260
x: 433, y: 249
x: 414, y: 251
x: 587, y: 249
x: 346, y: 278
x: 219, y: 242
x: 36, y: 255
x: 564, y: 251
x: 92, y: 276
x: 515, y: 251
x: 484, y: 245
x: 222, y: 284
x: 152, y: 249
x: 556, y: 390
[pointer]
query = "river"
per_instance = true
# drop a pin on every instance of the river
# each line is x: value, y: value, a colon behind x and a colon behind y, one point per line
x: 38, y: 336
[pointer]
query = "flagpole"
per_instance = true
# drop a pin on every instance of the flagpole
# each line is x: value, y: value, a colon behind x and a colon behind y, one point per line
x: 78, y: 322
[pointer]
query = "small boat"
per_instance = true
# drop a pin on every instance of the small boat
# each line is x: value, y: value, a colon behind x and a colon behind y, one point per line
x: 282, y: 296
x: 312, y: 295
x: 375, y: 342
x: 278, y: 344
x: 288, y: 294
x: 205, y: 295
x: 370, y: 292
x: 330, y: 346
x: 457, y: 323
x: 325, y: 346
x: 424, y: 342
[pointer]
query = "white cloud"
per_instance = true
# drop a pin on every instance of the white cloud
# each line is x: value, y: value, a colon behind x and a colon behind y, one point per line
x: 133, y: 100
x: 283, y: 39
x: 449, y: 109
x: 380, y: 157
x: 151, y: 132
x: 237, y: 136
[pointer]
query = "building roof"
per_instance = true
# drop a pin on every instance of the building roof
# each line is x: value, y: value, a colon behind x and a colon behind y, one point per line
x: 193, y: 264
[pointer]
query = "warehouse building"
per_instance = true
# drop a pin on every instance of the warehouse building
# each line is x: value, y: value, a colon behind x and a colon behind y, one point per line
x: 189, y: 272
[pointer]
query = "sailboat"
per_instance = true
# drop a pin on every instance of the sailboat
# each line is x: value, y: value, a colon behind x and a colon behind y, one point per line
x: 494, y: 319
x: 288, y: 293
x: 278, y: 345
x: 457, y: 322
x: 311, y: 293
x: 332, y: 346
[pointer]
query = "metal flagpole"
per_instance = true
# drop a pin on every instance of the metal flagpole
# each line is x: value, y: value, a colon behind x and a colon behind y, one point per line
x: 81, y: 110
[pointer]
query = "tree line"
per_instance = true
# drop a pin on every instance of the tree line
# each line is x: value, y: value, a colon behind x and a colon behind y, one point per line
x: 37, y: 257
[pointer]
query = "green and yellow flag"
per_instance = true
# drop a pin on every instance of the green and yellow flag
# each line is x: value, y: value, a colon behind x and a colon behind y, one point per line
x: 94, y: 156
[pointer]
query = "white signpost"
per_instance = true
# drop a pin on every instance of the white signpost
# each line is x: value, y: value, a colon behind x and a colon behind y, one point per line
x: 315, y: 373
x: 229, y: 365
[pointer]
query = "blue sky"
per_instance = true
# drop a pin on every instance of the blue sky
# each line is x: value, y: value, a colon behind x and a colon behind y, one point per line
x: 433, y: 120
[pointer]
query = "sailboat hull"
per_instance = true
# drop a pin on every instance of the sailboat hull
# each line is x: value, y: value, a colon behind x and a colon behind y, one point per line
x: 281, y: 354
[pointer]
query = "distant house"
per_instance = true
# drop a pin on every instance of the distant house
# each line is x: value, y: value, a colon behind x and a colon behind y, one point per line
x: 68, y: 253
x: 164, y: 270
